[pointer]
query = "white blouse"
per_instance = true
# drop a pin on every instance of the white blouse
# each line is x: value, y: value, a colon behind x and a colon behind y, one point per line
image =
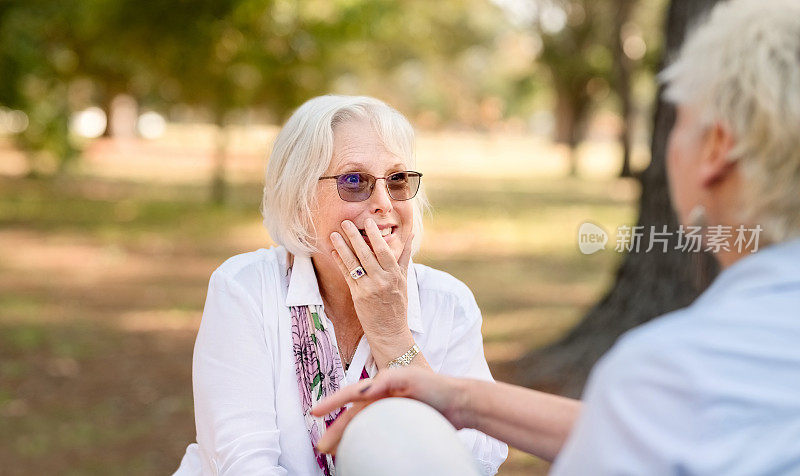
x: 247, y: 404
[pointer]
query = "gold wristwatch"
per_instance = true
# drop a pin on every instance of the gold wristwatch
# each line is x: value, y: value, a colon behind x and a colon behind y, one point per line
x: 404, y: 359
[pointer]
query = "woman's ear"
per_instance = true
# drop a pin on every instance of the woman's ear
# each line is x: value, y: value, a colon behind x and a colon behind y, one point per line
x: 715, y: 164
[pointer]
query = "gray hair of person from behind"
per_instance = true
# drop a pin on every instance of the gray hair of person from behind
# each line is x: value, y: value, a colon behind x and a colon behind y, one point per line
x: 741, y: 68
x: 302, y: 153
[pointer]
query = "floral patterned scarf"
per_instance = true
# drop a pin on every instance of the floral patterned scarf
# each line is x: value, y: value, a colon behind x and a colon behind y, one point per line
x: 319, y: 373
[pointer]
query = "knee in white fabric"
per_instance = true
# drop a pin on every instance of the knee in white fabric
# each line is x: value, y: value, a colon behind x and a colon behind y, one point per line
x: 399, y: 436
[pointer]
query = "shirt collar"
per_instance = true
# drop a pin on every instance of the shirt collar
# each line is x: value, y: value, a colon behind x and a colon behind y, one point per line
x: 771, y: 268
x: 303, y: 287
x: 304, y: 290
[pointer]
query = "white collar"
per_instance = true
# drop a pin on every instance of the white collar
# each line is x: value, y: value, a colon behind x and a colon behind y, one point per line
x: 304, y: 290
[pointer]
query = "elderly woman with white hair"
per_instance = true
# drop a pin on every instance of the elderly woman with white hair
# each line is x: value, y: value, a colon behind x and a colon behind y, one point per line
x: 337, y: 301
x: 714, y: 388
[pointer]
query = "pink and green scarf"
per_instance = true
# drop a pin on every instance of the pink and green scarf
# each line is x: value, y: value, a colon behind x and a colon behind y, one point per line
x: 319, y: 373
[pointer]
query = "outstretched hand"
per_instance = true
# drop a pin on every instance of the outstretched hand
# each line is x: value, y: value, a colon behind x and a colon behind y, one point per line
x: 441, y: 392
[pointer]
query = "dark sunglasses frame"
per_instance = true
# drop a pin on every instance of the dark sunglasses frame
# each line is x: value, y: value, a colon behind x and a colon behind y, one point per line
x: 372, y: 180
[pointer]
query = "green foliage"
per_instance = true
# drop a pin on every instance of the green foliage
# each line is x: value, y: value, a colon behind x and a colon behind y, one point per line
x: 224, y: 56
x: 37, y: 62
x: 469, y: 62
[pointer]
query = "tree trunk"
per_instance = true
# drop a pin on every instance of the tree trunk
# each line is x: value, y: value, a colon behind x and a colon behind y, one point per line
x: 219, y: 187
x: 647, y: 284
x: 623, y: 66
x: 108, y: 107
x: 570, y: 115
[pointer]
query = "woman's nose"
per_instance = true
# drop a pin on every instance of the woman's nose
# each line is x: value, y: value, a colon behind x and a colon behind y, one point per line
x: 380, y: 201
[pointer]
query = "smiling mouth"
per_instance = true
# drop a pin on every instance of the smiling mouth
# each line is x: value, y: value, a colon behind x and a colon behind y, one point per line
x: 384, y: 232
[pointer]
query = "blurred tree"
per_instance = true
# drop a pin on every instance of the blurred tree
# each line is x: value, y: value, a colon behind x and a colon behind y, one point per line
x: 647, y: 284
x: 425, y: 58
x: 229, y: 56
x: 577, y: 38
x: 623, y: 70
x: 278, y: 54
x: 592, y: 53
x: 37, y: 63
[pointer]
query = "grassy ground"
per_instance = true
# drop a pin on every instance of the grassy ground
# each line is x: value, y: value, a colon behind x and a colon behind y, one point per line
x: 102, y: 282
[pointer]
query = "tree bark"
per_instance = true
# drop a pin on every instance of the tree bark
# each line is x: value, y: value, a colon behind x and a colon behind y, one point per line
x: 647, y: 284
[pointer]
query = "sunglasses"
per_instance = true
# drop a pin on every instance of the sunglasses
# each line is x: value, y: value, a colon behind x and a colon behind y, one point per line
x: 358, y: 186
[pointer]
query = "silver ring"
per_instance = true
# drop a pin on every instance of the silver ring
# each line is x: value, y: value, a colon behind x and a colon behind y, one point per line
x: 357, y: 273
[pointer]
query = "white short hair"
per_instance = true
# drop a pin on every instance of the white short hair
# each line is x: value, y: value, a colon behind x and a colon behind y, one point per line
x: 742, y: 68
x: 302, y: 153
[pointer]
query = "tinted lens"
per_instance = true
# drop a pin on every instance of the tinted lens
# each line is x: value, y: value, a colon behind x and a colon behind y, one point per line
x: 403, y: 185
x: 355, y: 187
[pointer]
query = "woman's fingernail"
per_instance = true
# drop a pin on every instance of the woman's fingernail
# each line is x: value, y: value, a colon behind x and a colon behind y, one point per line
x: 365, y: 388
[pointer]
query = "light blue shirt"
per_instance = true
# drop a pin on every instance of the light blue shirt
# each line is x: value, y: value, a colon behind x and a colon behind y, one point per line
x: 712, y: 389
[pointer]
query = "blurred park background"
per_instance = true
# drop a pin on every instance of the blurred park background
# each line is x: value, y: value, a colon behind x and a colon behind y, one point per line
x: 133, y: 140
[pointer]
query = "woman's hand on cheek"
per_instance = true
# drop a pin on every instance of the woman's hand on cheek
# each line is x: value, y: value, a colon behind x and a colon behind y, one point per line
x: 381, y: 296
